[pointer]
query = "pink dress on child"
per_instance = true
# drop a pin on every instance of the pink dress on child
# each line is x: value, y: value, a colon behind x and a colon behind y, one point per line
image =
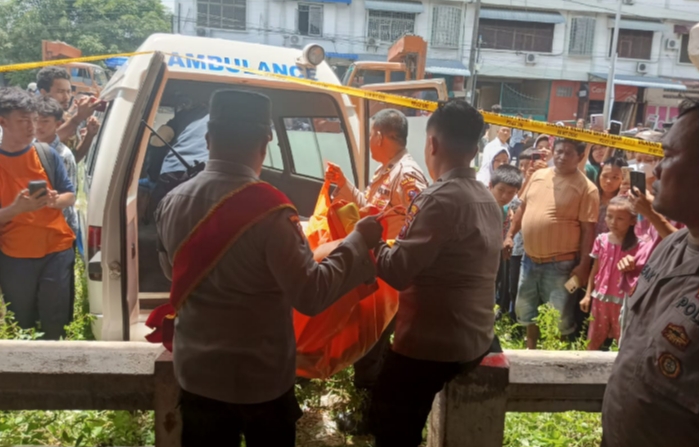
x: 608, y: 295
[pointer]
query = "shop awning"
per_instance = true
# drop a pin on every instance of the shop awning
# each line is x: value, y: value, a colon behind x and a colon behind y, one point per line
x: 391, y: 6
x: 643, y: 81
x: 640, y: 25
x: 522, y: 16
x: 447, y: 67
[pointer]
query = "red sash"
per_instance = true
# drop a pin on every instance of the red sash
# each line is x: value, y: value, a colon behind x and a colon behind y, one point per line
x: 207, y: 243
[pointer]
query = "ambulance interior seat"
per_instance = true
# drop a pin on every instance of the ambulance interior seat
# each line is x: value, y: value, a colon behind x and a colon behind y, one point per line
x: 307, y: 131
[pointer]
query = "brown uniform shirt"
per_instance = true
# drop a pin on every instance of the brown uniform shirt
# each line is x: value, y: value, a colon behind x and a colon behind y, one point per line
x: 396, y: 183
x: 234, y: 337
x: 652, y: 398
x: 445, y: 262
x: 556, y: 205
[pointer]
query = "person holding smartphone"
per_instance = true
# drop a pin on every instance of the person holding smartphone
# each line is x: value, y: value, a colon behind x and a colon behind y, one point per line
x: 36, y: 243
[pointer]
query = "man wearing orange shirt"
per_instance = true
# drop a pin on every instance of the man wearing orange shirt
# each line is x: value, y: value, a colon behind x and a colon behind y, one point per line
x: 36, y: 243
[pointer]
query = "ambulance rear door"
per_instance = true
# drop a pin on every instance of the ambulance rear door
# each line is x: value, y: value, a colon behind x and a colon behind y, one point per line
x: 428, y: 89
x: 120, y: 229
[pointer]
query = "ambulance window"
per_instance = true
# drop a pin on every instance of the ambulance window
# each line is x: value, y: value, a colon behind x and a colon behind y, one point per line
x: 273, y: 159
x: 94, y: 149
x: 313, y: 141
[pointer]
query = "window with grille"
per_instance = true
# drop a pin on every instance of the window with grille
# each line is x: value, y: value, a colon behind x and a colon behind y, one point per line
x: 310, y: 20
x: 582, y: 36
x: 684, y: 50
x: 564, y: 92
x: 389, y: 26
x: 633, y: 44
x: 446, y: 26
x: 222, y: 14
x: 516, y: 36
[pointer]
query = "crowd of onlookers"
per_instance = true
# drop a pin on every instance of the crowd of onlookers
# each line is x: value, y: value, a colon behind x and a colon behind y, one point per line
x: 577, y: 235
x: 44, y: 132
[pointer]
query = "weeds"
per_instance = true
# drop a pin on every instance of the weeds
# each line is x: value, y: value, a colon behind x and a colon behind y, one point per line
x: 321, y: 401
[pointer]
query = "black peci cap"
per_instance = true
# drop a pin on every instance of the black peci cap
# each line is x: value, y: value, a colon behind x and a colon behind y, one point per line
x: 239, y: 108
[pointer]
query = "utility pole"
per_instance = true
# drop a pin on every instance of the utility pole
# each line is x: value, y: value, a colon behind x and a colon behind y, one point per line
x: 609, y: 96
x: 473, y: 57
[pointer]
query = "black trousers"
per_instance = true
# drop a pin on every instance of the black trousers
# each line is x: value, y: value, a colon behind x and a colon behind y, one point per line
x: 209, y: 422
x: 404, y: 394
x: 368, y: 368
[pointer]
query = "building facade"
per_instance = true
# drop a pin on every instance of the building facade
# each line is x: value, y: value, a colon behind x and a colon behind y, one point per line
x: 547, y: 59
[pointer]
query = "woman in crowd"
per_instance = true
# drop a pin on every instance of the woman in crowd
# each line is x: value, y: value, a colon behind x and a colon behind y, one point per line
x: 490, y: 165
x: 594, y: 162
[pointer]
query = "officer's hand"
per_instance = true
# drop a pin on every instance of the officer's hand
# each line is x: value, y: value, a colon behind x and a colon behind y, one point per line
x: 371, y: 230
x: 627, y: 264
x: 585, y: 304
x: 335, y: 175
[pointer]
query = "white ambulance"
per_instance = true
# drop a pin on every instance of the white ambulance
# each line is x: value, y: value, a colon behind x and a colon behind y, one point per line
x: 311, y: 126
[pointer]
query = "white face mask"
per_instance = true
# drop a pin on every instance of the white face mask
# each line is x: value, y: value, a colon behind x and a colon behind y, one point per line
x: 647, y: 168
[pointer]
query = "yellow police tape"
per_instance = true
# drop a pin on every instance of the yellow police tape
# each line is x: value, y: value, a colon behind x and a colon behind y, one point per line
x: 587, y: 136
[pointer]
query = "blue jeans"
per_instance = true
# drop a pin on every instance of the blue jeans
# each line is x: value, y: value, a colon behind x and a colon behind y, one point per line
x: 545, y: 283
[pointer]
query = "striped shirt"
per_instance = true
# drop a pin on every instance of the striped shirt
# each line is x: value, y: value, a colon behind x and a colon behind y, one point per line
x: 555, y: 207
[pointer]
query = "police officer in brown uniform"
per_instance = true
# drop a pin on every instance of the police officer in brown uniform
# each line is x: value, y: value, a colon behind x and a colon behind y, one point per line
x: 234, y: 346
x: 397, y: 181
x: 652, y: 398
x: 444, y: 263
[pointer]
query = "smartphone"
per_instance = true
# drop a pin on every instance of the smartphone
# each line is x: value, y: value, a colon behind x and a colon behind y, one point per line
x: 536, y: 156
x: 102, y: 106
x: 638, y: 180
x: 37, y: 185
x: 573, y: 284
x: 615, y: 127
x: 597, y: 121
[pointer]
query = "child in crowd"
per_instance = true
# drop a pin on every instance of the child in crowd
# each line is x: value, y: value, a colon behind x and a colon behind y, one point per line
x: 505, y: 182
x: 609, y: 184
x: 50, y: 118
x: 604, y: 291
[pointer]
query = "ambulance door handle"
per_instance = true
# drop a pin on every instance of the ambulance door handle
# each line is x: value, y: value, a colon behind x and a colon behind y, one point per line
x: 114, y: 270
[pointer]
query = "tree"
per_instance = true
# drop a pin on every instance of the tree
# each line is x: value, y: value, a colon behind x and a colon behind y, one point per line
x: 93, y: 26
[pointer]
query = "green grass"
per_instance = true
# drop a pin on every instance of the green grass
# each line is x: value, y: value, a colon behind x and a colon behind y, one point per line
x: 124, y: 428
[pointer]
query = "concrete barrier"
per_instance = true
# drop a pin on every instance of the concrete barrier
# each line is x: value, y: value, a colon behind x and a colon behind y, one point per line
x: 470, y: 411
x: 46, y: 375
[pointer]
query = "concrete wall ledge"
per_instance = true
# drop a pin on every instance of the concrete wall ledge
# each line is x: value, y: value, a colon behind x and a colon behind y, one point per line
x: 470, y: 411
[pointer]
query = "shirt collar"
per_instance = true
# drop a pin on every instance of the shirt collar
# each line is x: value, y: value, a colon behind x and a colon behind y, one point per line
x: 396, y: 158
x: 227, y: 167
x: 17, y: 154
x: 464, y: 172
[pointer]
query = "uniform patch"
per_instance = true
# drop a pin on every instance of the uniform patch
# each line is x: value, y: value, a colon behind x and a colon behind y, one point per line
x: 410, y: 215
x: 688, y: 308
x: 677, y: 336
x: 296, y: 222
x: 669, y: 365
x: 413, y: 193
x: 407, y: 181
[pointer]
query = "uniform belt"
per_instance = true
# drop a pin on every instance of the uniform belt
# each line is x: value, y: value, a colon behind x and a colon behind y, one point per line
x: 559, y: 258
